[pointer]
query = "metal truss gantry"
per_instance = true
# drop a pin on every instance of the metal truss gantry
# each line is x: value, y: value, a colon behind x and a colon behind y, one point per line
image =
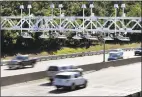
x: 89, y: 27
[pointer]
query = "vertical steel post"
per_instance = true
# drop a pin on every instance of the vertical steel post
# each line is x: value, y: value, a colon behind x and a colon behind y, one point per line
x: 21, y: 7
x: 21, y: 20
x: 29, y: 19
x: 52, y: 12
x: 115, y: 20
x: 91, y: 19
x: 104, y: 49
x: 115, y: 6
x: 60, y: 19
x: 83, y: 6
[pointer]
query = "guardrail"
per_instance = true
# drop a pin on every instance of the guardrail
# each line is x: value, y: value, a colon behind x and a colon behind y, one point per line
x: 55, y: 57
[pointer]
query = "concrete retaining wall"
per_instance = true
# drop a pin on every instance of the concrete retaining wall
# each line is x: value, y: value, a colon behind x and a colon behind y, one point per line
x: 9, y: 80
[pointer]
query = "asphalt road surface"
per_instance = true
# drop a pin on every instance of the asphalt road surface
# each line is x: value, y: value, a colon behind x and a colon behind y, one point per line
x: 112, y: 81
x: 43, y: 65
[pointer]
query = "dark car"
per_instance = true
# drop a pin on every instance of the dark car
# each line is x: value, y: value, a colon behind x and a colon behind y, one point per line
x: 21, y: 61
x: 138, y: 51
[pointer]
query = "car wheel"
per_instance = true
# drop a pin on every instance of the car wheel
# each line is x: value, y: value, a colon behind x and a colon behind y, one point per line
x: 13, y: 68
x: 73, y: 87
x: 51, y: 81
x: 9, y: 67
x: 58, y: 87
x: 85, y: 84
x: 21, y: 66
x: 32, y: 65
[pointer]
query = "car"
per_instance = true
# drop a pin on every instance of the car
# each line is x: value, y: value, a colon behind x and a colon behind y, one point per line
x: 20, y: 61
x: 115, y: 56
x: 69, y: 80
x: 138, y: 51
x: 120, y: 51
x: 54, y: 69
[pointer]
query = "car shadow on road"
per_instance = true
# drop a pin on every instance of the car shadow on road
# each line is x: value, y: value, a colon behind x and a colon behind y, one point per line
x: 26, y: 67
x: 46, y: 84
x: 60, y: 91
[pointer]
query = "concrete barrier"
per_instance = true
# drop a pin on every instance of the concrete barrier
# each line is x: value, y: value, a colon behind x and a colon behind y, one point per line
x: 98, y: 66
x: 9, y: 80
x: 138, y: 94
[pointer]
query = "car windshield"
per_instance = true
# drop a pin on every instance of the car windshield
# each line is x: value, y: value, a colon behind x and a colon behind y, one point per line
x: 63, y: 76
x: 113, y: 55
x: 114, y: 50
x: 68, y: 67
x: 21, y: 58
x: 64, y: 67
x: 53, y: 68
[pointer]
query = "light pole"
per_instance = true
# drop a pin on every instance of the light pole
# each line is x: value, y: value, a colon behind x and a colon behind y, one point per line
x: 52, y: 7
x: 29, y: 7
x: 60, y: 7
x: 62, y: 16
x: 115, y: 6
x: 21, y: 7
x: 83, y: 6
x: 104, y: 48
x: 123, y: 14
x: 92, y: 14
x: 123, y: 7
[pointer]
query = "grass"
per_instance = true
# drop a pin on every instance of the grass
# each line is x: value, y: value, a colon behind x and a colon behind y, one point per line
x: 76, y: 50
x: 43, y: 53
x: 69, y: 51
x: 95, y: 48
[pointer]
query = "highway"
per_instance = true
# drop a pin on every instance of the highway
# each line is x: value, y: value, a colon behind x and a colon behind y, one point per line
x: 112, y: 81
x: 43, y: 65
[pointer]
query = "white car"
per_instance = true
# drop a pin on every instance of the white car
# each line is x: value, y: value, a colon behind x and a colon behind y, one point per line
x: 115, y: 56
x: 55, y: 69
x: 70, y: 80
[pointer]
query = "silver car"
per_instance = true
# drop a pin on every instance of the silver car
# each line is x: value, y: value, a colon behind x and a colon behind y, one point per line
x: 54, y: 69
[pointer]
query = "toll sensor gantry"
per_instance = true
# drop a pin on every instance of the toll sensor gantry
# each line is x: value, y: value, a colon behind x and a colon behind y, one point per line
x: 89, y: 27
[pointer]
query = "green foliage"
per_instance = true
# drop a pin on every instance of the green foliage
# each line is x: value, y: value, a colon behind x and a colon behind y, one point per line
x: 101, y: 8
x: 134, y: 10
